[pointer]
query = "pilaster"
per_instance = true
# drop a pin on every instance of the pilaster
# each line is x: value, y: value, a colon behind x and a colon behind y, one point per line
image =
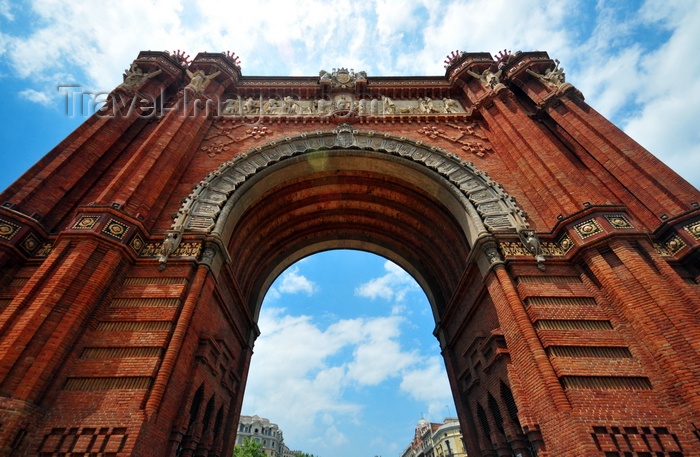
x: 650, y: 189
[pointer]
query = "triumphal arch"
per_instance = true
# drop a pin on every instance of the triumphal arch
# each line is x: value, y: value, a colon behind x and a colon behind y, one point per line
x: 559, y: 257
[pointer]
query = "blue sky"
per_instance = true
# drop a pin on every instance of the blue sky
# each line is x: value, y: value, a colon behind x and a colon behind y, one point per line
x: 634, y: 61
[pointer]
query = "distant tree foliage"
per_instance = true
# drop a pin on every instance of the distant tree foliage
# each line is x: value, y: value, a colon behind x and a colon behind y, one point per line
x: 250, y: 448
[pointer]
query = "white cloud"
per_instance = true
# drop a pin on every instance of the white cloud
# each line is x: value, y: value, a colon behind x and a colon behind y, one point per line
x: 293, y: 283
x: 307, y: 372
x: 667, y: 121
x: 379, y: 355
x: 6, y: 10
x: 36, y: 97
x: 392, y: 286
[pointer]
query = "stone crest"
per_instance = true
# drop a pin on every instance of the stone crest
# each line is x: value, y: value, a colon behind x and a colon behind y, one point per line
x: 342, y: 78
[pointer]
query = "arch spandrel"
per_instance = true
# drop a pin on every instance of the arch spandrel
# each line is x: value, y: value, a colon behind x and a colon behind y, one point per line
x: 489, y: 208
x: 478, y: 205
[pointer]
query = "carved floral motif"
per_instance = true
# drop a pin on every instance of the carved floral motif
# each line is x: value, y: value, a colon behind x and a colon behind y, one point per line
x: 469, y: 137
x: 223, y: 134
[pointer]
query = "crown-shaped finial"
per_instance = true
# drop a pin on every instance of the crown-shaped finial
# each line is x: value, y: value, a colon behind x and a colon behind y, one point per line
x: 181, y: 56
x: 233, y: 58
x: 454, y: 55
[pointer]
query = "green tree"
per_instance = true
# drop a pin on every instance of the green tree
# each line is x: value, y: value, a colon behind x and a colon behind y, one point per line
x: 250, y: 448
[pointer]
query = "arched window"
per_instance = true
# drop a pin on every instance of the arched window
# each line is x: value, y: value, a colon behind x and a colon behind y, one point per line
x: 194, y: 407
x: 496, y: 412
x: 208, y: 413
x: 217, y: 423
x: 509, y: 401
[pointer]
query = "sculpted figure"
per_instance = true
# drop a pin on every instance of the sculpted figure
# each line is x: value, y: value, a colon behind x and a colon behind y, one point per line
x: 168, y: 247
x: 389, y: 106
x: 324, y: 75
x: 450, y: 106
x: 199, y: 81
x: 271, y: 107
x: 553, y: 75
x: 426, y: 106
x: 323, y: 106
x: 291, y: 106
x: 134, y: 76
x: 362, y: 107
x: 342, y: 103
x: 488, y: 78
x: 232, y: 106
x: 249, y: 106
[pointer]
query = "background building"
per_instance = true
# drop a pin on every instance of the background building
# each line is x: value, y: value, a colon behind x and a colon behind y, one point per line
x: 262, y: 431
x: 436, y: 440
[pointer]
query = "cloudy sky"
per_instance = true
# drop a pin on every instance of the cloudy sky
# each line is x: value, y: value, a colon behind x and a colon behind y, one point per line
x: 635, y: 62
x: 346, y: 364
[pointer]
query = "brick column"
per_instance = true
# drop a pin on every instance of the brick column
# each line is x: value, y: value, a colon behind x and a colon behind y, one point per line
x: 43, y: 321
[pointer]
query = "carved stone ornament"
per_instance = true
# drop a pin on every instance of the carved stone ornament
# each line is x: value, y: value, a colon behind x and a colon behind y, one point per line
x: 532, y: 244
x: 199, y: 80
x: 693, y: 229
x: 342, y: 78
x: 491, y: 252
x: 134, y: 76
x: 488, y: 79
x: 344, y: 138
x: 344, y: 103
x: 486, y: 202
x: 553, y: 76
x: 170, y: 244
x: 674, y: 244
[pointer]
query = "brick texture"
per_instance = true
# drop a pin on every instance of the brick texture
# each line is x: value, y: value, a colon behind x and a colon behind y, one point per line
x: 111, y: 347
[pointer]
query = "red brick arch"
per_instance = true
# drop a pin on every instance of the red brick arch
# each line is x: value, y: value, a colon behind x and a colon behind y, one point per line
x: 135, y: 255
x: 361, y: 182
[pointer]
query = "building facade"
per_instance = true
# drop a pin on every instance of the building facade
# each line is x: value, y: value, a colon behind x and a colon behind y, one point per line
x: 262, y: 431
x: 559, y: 257
x: 436, y: 440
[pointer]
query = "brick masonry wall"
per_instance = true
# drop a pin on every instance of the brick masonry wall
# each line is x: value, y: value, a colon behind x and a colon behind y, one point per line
x: 104, y: 353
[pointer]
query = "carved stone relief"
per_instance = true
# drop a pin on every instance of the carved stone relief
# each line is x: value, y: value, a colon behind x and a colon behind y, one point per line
x: 469, y: 137
x: 338, y: 103
x: 492, y: 208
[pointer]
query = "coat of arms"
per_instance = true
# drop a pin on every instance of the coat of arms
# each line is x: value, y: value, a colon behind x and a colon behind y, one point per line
x: 342, y: 77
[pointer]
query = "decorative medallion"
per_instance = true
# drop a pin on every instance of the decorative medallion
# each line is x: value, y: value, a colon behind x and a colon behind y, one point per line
x: 86, y: 222
x: 619, y: 221
x: 588, y: 228
x: 565, y: 243
x: 30, y: 244
x: 8, y: 229
x: 694, y: 229
x: 137, y: 243
x: 344, y: 135
x: 661, y: 250
x: 674, y: 244
x: 115, y: 229
x: 44, y: 250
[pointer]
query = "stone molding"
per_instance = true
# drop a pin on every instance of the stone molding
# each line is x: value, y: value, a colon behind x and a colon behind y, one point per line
x: 486, y: 202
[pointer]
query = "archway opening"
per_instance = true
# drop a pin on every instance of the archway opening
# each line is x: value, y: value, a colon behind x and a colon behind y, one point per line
x: 346, y: 362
